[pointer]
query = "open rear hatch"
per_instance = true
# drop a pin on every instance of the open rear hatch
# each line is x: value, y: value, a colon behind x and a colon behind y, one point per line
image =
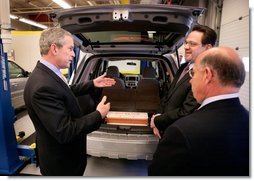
x: 146, y: 28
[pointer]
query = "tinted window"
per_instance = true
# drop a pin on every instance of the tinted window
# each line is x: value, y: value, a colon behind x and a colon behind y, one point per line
x: 126, y: 37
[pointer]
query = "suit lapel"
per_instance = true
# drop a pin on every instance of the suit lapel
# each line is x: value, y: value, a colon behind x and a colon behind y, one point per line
x: 54, y: 76
x: 71, y: 102
x: 175, y: 84
x: 185, y: 78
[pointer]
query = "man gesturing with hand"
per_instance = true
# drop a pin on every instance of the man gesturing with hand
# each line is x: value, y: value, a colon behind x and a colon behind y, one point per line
x: 60, y: 125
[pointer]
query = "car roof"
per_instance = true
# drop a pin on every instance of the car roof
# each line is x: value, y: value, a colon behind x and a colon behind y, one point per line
x: 153, y: 29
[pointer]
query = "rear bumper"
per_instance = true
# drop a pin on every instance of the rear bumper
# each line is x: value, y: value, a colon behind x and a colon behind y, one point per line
x: 115, y: 145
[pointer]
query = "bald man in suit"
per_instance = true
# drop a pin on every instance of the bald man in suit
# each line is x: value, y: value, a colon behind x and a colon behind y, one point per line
x: 214, y: 140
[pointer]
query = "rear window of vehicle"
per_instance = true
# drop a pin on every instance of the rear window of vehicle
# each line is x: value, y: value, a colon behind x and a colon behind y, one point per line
x: 127, y: 66
x: 126, y: 37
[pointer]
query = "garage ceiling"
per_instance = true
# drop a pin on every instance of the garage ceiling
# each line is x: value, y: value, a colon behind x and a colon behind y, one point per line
x: 38, y: 10
x: 19, y: 7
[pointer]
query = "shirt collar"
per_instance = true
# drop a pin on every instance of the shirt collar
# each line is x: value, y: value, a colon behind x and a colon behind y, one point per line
x: 51, y: 67
x: 219, y: 97
x: 190, y: 65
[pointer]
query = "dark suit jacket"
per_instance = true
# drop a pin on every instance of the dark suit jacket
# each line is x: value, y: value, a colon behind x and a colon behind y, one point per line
x: 178, y: 101
x: 213, y: 141
x: 60, y: 126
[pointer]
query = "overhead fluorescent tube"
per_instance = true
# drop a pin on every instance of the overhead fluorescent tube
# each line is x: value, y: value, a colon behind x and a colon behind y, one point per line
x: 63, y: 4
x: 24, y: 20
x: 91, y: 3
x: 13, y: 16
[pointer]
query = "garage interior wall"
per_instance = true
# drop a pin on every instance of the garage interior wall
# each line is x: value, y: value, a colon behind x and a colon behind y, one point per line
x: 25, y: 48
x: 235, y: 34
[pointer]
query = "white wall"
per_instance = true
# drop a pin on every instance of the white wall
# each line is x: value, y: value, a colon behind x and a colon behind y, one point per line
x: 25, y: 46
x: 235, y: 34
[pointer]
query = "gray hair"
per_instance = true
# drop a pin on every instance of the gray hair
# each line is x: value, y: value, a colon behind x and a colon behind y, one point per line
x: 52, y: 35
x: 228, y: 65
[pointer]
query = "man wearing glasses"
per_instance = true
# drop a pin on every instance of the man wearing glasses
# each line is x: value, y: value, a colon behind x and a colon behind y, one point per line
x: 179, y: 100
x: 213, y: 140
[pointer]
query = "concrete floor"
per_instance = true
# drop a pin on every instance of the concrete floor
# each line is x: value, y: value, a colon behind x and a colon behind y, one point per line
x: 96, y: 166
x: 103, y: 167
x: 115, y: 167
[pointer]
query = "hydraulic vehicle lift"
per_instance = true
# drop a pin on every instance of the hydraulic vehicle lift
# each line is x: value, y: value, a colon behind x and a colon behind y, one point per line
x: 11, y: 154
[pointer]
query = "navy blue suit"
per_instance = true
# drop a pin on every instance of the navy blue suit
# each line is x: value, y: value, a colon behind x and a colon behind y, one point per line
x: 212, y: 141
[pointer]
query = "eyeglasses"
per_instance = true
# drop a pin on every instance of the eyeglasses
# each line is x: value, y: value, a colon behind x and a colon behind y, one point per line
x: 191, y: 43
x: 197, y: 69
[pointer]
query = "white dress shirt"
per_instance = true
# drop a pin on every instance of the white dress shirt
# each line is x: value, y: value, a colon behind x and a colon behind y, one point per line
x: 219, y: 97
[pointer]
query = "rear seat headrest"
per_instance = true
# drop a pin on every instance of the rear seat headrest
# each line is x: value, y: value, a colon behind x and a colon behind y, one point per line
x: 149, y: 72
x: 113, y: 71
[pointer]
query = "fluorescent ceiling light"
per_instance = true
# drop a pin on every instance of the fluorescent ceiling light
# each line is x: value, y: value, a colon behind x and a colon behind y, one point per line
x: 117, y: 2
x: 91, y: 3
x: 63, y: 4
x: 24, y: 20
x: 123, y: 2
x: 13, y: 16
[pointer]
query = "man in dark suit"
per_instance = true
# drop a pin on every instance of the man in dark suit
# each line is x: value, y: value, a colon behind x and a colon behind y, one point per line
x: 214, y: 140
x: 179, y: 101
x: 54, y: 110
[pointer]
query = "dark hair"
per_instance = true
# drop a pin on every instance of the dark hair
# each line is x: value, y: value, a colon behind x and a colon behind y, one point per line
x: 230, y: 69
x: 209, y: 35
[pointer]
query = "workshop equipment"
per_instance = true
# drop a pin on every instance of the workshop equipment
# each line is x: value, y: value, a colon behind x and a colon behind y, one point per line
x: 9, y: 158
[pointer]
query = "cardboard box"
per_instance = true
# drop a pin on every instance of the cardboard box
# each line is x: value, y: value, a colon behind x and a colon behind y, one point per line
x: 127, y: 118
